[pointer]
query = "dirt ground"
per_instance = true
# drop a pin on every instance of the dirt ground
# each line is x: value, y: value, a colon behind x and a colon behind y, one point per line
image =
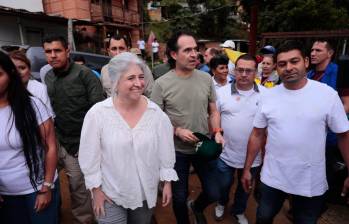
x: 336, y: 214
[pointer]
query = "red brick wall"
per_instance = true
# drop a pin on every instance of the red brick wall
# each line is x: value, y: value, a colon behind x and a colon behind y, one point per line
x: 73, y: 9
x: 96, y: 13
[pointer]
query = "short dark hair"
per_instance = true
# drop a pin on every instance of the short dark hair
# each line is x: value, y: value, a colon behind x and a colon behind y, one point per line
x: 290, y: 45
x: 172, y: 45
x: 201, y: 58
x: 20, y: 55
x: 328, y: 44
x: 219, y: 59
x: 55, y: 37
x: 119, y: 37
x: 247, y: 57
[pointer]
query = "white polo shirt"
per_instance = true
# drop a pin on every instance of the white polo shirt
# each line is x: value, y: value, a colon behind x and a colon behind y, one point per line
x: 297, y: 122
x: 218, y: 85
x: 237, y: 109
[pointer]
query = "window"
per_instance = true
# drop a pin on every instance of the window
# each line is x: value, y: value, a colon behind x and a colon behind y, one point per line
x: 125, y: 3
x: 33, y: 36
x: 107, y: 10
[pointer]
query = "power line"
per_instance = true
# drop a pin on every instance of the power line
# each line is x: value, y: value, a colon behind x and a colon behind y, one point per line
x: 189, y: 16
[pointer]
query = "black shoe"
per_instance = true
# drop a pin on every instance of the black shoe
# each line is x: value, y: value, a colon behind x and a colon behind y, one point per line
x: 199, y: 216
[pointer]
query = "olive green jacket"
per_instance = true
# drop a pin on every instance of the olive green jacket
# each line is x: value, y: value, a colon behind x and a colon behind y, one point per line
x: 72, y: 93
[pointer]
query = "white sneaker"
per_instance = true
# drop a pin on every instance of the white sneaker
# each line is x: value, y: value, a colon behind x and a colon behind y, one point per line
x: 219, y: 212
x: 241, y: 218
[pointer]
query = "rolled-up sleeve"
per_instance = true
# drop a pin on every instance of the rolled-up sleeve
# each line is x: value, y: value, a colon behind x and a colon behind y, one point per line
x: 90, y: 150
x: 166, y: 150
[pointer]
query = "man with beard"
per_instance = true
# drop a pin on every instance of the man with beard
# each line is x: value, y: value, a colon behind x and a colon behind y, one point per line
x: 295, y: 117
x: 73, y: 89
x: 188, y: 97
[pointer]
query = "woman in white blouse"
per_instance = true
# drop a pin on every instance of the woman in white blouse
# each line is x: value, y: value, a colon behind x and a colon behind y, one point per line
x: 127, y: 147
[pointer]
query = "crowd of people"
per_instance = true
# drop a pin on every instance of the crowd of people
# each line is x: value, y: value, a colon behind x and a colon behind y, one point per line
x: 119, y: 134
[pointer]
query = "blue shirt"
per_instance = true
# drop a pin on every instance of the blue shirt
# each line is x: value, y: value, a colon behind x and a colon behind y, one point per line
x: 329, y: 78
x: 205, y: 68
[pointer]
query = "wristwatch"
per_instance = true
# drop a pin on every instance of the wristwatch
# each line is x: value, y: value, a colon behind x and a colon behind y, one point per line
x: 49, y: 185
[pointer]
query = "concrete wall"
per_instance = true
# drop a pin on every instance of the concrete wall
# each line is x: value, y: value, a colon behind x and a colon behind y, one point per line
x: 33, y: 30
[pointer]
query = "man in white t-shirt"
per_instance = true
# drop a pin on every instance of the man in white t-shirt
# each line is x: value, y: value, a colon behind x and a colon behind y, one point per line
x: 237, y: 103
x: 155, y: 49
x: 295, y: 116
x: 141, y: 46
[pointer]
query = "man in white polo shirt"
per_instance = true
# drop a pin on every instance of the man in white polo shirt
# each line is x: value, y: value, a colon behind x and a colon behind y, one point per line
x: 237, y: 103
x: 295, y: 115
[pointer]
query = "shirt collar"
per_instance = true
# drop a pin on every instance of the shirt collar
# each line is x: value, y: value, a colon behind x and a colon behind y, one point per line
x: 109, y: 103
x: 65, y: 71
x: 235, y: 91
x: 229, y: 80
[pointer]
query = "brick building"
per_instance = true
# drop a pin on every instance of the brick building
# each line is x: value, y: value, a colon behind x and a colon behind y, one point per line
x: 98, y: 20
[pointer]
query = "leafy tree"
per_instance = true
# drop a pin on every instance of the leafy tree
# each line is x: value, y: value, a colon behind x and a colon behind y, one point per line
x: 300, y: 15
x: 214, y: 23
x: 218, y: 23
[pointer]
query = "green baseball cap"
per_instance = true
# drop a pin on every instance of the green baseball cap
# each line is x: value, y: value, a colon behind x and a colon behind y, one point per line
x: 207, y: 148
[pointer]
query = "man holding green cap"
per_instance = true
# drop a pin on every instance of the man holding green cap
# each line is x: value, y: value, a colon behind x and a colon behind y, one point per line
x: 188, y: 97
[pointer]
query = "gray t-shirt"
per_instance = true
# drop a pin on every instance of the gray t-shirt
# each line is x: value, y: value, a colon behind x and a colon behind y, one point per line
x: 185, y: 100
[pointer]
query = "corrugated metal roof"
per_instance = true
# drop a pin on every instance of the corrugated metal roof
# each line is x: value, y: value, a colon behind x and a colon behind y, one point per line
x: 25, y: 13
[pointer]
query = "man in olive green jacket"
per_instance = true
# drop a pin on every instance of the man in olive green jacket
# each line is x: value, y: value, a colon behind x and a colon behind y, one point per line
x: 73, y: 89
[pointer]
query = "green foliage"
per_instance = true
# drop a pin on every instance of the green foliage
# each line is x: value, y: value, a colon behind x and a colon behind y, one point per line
x: 214, y: 25
x: 300, y: 15
x: 218, y: 24
x: 184, y: 21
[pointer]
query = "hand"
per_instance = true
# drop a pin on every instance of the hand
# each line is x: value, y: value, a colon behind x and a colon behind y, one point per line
x: 345, y: 190
x: 246, y: 180
x: 43, y: 199
x: 186, y: 135
x: 98, y: 201
x: 219, y: 138
x: 166, y: 194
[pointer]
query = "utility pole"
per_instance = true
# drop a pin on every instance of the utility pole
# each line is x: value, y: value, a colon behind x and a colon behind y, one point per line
x: 253, y: 27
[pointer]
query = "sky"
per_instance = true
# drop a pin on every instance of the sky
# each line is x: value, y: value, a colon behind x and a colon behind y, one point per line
x: 30, y: 5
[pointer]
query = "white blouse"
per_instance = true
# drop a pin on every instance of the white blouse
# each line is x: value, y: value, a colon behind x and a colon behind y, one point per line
x: 127, y: 162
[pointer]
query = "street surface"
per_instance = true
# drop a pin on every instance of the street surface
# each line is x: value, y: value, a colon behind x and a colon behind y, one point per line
x: 336, y: 214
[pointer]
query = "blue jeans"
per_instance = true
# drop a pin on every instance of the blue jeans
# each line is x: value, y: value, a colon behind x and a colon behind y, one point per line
x: 206, y: 173
x: 306, y: 210
x: 226, y: 178
x: 20, y: 209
